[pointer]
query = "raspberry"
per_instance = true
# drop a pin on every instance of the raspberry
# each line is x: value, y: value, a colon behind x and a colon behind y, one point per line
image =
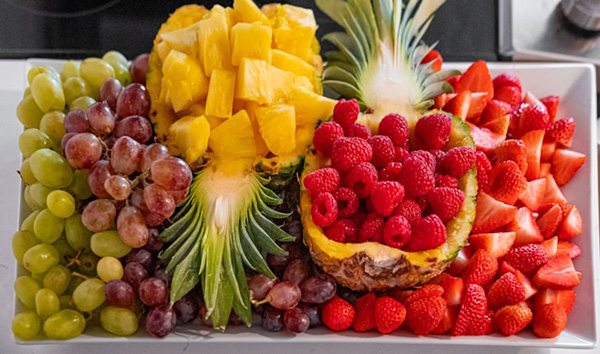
x: 426, y: 156
x: 385, y: 196
x: 410, y: 210
x: 458, y: 161
x: 422, y: 202
x: 429, y: 233
x: 400, y: 154
x: 446, y: 202
x: 347, y: 202
x: 365, y: 313
x: 342, y: 230
x: 446, y: 181
x: 371, y: 229
x: 359, y: 218
x: 325, y: 135
x: 324, y: 180
x: 324, y: 210
x: 396, y: 127
x: 349, y: 152
x: 417, y: 176
x: 439, y: 156
x: 434, y: 130
x: 389, y: 314
x: 338, y: 314
x: 383, y: 150
x: 391, y: 172
x: 361, y: 179
x: 358, y: 131
x: 345, y: 113
x: 396, y: 232
x: 423, y: 315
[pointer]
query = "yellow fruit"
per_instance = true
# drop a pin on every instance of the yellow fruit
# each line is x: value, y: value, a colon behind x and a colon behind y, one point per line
x: 184, y: 40
x: 277, y: 126
x: 183, y: 81
x: 250, y: 41
x: 214, y: 49
x: 234, y: 138
x: 232, y: 17
x: 248, y: 12
x: 288, y: 62
x: 197, y: 109
x: 163, y: 49
x: 310, y: 107
x: 215, y: 121
x: 261, y: 82
x: 294, y: 31
x: 303, y: 82
x: 181, y: 18
x: 270, y: 10
x: 219, y: 102
x: 189, y: 136
x: 261, y: 147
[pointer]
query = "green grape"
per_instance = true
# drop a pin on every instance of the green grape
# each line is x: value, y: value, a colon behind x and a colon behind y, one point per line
x: 122, y: 74
x: 48, y: 93
x: 114, y: 57
x: 65, y: 251
x: 42, y: 69
x: 65, y: 324
x: 89, y: 294
x: 57, y: 279
x: 40, y: 258
x: 21, y: 242
x: 95, y: 71
x: 39, y: 193
x: 77, y: 235
x: 27, y: 224
x: 51, y: 169
x: 29, y: 113
x: 76, y: 87
x: 29, y: 199
x: 53, y: 124
x: 26, y: 325
x: 82, y: 103
x: 109, y: 268
x: 25, y: 288
x: 48, y: 227
x: 75, y: 281
x: 80, y: 187
x: 27, y: 92
x: 61, y: 203
x: 46, y: 303
x: 70, y: 69
x: 119, y: 321
x: 39, y: 277
x: 88, y: 263
x: 26, y: 173
x: 32, y: 140
x: 109, y: 244
x: 66, y: 302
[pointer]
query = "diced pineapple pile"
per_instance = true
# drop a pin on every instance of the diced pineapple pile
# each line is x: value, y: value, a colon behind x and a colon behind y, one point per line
x: 240, y: 82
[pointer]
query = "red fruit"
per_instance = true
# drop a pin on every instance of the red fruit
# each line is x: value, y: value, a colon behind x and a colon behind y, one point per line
x: 562, y: 131
x: 544, y: 169
x: 565, y: 164
x: 550, y: 246
x: 533, y: 117
x: 345, y: 113
x: 342, y: 230
x: 513, y: 319
x: 525, y: 228
x: 563, y: 298
x: 441, y: 100
x: 566, y: 247
x: 424, y: 315
x: 485, y: 140
x: 491, y: 214
x: 435, y: 58
x: 447, y: 321
x: 371, y: 229
x: 553, y: 193
x: 472, y: 310
x: 550, y: 320
x: 482, y: 160
x: 434, y: 130
x: 533, y: 142
x: 508, y: 94
x: 458, y: 161
x: 459, y: 105
x: 506, y: 291
x: 410, y: 210
x: 400, y: 154
x: 533, y: 196
x: 401, y: 294
x: 453, y: 81
x: 551, y: 103
x: 506, y: 79
x: 496, y: 116
x: 349, y: 152
x: 383, y: 150
x: 481, y: 269
x: 513, y: 150
x: 324, y: 210
x: 485, y: 326
x: 357, y: 131
x: 324, y: 180
x: 478, y: 102
x: 446, y: 181
x: 364, y: 320
x: 571, y: 226
x: 338, y: 314
x: 386, y: 196
x: 417, y: 176
x: 347, y: 202
x: 550, y: 221
x: 391, y: 172
x: 548, y: 149
x: 396, y: 232
x: 361, y: 179
x: 453, y: 289
x: 325, y: 135
x: 499, y: 125
x: 476, y: 79
x: 483, y: 167
x: 428, y: 157
x: 529, y: 288
x: 389, y: 314
x: 425, y: 291
x: 460, y: 262
x: 507, y: 182
x: 446, y: 202
x: 422, y: 202
x: 395, y: 127
x: 497, y: 244
x: 438, y: 154
x: 429, y: 233
x: 526, y: 258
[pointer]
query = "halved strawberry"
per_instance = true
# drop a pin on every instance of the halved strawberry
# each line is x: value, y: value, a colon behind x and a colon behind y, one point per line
x: 533, y: 117
x: 491, y: 214
x: 507, y: 182
x: 545, y: 169
x: 476, y: 79
x: 485, y: 140
x: 473, y: 309
x: 525, y: 228
x: 479, y: 101
x: 513, y: 150
x: 529, y: 288
x: 565, y: 164
x: 551, y: 104
x: 550, y: 221
x: 441, y: 100
x: 571, y: 226
x: 527, y: 259
x: 533, y: 142
x: 506, y: 79
x: 495, y: 109
x: 530, y: 99
x: 447, y: 321
x: 435, y: 57
x: 497, y: 244
x: 563, y: 298
x: 553, y: 193
x: 567, y: 247
x: 453, y: 80
x: 559, y: 273
x: 508, y: 94
x: 499, y: 125
x: 459, y: 105
x: 507, y: 290
x: 562, y: 131
x: 460, y: 262
x: 453, y: 289
x: 550, y: 246
x: 533, y: 196
x: 481, y: 269
x: 548, y: 148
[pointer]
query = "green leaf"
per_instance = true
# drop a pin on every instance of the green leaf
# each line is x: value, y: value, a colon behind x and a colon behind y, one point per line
x: 197, y: 234
x: 264, y: 241
x: 440, y: 76
x: 228, y: 267
x: 273, y: 230
x: 270, y: 212
x: 214, y: 244
x: 179, y: 226
x: 255, y: 259
x: 219, y: 314
x: 242, y: 306
x: 186, y: 274
x: 269, y: 197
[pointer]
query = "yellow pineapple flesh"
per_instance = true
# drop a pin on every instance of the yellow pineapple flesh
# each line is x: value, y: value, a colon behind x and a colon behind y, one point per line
x: 233, y: 138
x: 288, y: 62
x: 213, y: 34
x: 310, y: 107
x: 189, y: 137
x: 250, y: 41
x: 219, y: 101
x: 183, y: 81
x: 277, y: 126
x: 248, y: 12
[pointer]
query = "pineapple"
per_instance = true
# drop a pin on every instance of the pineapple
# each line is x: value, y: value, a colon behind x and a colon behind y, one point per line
x: 294, y: 30
x: 233, y: 138
x: 250, y: 41
x: 288, y: 62
x: 310, y: 107
x: 248, y: 12
x: 277, y: 125
x: 261, y: 82
x: 213, y: 34
x: 219, y: 101
x: 183, y: 81
x: 189, y: 136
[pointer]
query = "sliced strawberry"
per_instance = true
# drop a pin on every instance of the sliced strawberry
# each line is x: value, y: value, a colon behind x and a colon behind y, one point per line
x: 476, y: 79
x: 530, y: 99
x: 507, y: 182
x: 447, y: 321
x: 441, y: 100
x: 453, y: 289
x: 499, y: 125
x: 513, y: 150
x: 545, y: 169
x: 550, y: 221
x: 567, y: 247
x: 460, y: 262
x: 485, y: 140
x: 565, y: 164
x: 505, y: 267
x: 479, y: 101
x: 481, y: 269
x: 508, y: 94
x: 497, y: 244
x: 533, y: 142
x: 525, y: 228
x: 459, y: 105
x: 507, y: 290
x: 533, y: 118
x: 495, y: 109
x: 435, y: 58
x: 553, y: 193
x: 551, y: 104
x: 548, y: 148
x: 533, y: 196
x: 562, y: 131
x: 563, y: 298
x: 550, y: 246
x: 571, y: 226
x: 491, y: 214
x: 473, y: 309
x: 506, y: 79
x: 453, y: 80
x: 529, y: 288
x: 559, y: 273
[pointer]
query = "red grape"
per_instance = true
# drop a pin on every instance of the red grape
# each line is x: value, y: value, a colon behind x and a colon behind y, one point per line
x: 154, y: 242
x: 136, y: 127
x: 76, y: 122
x: 119, y: 293
x: 318, y: 289
x: 83, y: 150
x: 272, y: 319
x: 154, y: 219
x: 134, y: 273
x: 158, y: 200
x: 154, y: 292
x: 179, y: 196
x: 186, y: 309
x: 132, y: 228
x: 312, y: 311
x: 109, y: 92
x: 125, y: 155
x: 284, y: 295
x: 118, y: 187
x: 101, y: 118
x: 134, y: 100
x: 99, y: 215
x: 110, y: 141
x: 296, y: 320
x: 65, y: 139
x: 139, y: 68
x: 171, y: 173
x: 260, y: 285
x: 141, y: 256
x: 99, y: 173
x: 296, y: 272
x: 160, y: 321
x: 279, y: 262
x: 153, y: 152
x: 163, y: 275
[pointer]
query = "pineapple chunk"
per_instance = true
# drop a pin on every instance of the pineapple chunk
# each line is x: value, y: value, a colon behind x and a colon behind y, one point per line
x: 270, y: 10
x: 261, y: 147
x: 248, y: 12
x: 215, y: 121
x: 219, y: 102
x: 197, y: 109
x: 182, y: 17
x: 238, y: 105
x: 304, y: 82
x: 214, y: 48
x: 163, y: 50
x: 294, y: 31
x: 250, y: 41
x: 259, y: 81
x: 232, y: 17
x: 288, y: 62
x: 310, y: 107
x: 189, y: 136
x: 234, y: 138
x: 277, y: 125
x: 184, y: 40
x: 297, y: 16
x: 183, y: 81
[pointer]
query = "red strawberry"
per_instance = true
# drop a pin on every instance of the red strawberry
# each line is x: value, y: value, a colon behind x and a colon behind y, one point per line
x: 383, y: 150
x: 434, y: 130
x: 395, y: 127
x: 324, y: 210
x: 429, y: 233
x: 529, y: 288
x: 533, y: 142
x: 509, y: 94
x: 571, y: 226
x: 483, y: 161
x: 558, y: 273
x: 548, y: 149
x: 410, y: 210
x: 361, y: 179
x: 345, y: 113
x: 544, y: 169
x: 565, y: 164
x: 435, y: 58
x: 550, y: 320
x: 425, y: 291
x: 476, y: 79
x: 531, y: 100
x: 324, y: 180
x: 495, y: 109
x: 401, y: 294
x: 459, y: 105
x: 491, y: 214
x: 506, y: 291
x: 386, y: 196
x: 526, y: 258
x: 371, y: 229
x: 338, y: 314
x: 564, y: 298
x: 485, y: 326
x: 447, y: 321
x: 513, y: 319
x: 453, y: 80
x: 389, y: 314
x: 325, y: 135
x: 342, y: 230
x: 485, y: 140
x: 513, y: 150
x: 364, y: 320
x: 453, y: 289
x: 497, y: 244
x: 499, y: 125
x: 424, y: 315
x: 525, y: 227
x: 550, y: 221
x: 566, y: 247
x: 553, y: 193
x: 533, y: 117
x: 446, y: 202
x: 507, y: 182
x: 446, y: 181
x: 441, y: 100
x: 479, y: 101
x: 562, y: 131
x: 473, y: 309
x: 506, y: 79
x: 551, y: 103
x: 417, y: 176
x: 483, y: 168
x: 349, y: 152
x: 550, y: 246
x: 396, y: 232
x: 460, y: 262
x: 458, y: 161
x: 481, y: 269
x: 533, y: 196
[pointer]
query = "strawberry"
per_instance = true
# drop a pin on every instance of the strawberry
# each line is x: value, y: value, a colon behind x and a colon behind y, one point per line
x: 559, y: 273
x: 513, y: 150
x: 325, y: 135
x: 497, y: 244
x: 494, y: 110
x: 571, y: 226
x: 533, y: 117
x: 548, y: 149
x: 533, y: 196
x: 526, y: 229
x: 526, y: 258
x: 386, y: 196
x: 481, y: 269
x: 441, y: 100
x: 460, y: 262
x: 324, y: 180
x: 550, y: 221
x: 435, y: 58
x: 562, y: 131
x: 506, y: 79
x: 553, y: 193
x: 507, y: 182
x: 485, y: 140
x: 531, y: 100
x: 425, y: 291
x: 545, y: 169
x: 447, y: 321
x: 453, y: 289
x: 401, y: 294
x: 364, y: 319
x: 491, y: 214
x: 551, y: 103
x: 429, y: 233
x: 565, y: 164
x: 396, y: 232
x: 389, y: 314
x: 507, y: 290
x: 483, y: 167
x: 349, y: 152
x: 453, y: 80
x: 417, y: 176
x: 424, y: 315
x: 508, y: 94
x: 566, y: 247
x: 533, y: 142
x: 337, y: 314
x: 513, y: 319
x: 550, y: 320
x: 476, y: 79
x: 472, y: 310
x: 459, y: 105
x: 345, y: 113
x: 446, y: 202
x: 434, y: 130
x: 499, y: 125
x: 479, y: 101
x: 550, y: 246
x: 564, y: 298
x: 529, y: 288
x: 485, y: 326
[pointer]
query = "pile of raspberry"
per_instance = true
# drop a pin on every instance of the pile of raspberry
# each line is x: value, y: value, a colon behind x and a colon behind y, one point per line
x: 378, y: 189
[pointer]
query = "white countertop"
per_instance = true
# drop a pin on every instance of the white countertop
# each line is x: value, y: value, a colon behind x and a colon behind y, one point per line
x: 12, y: 84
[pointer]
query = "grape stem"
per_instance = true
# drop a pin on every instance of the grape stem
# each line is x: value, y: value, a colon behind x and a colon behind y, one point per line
x: 84, y: 277
x: 105, y: 149
x: 74, y: 260
x: 257, y: 303
x: 139, y: 179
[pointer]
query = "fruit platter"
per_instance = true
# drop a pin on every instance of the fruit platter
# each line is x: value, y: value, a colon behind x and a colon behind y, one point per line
x: 232, y: 185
